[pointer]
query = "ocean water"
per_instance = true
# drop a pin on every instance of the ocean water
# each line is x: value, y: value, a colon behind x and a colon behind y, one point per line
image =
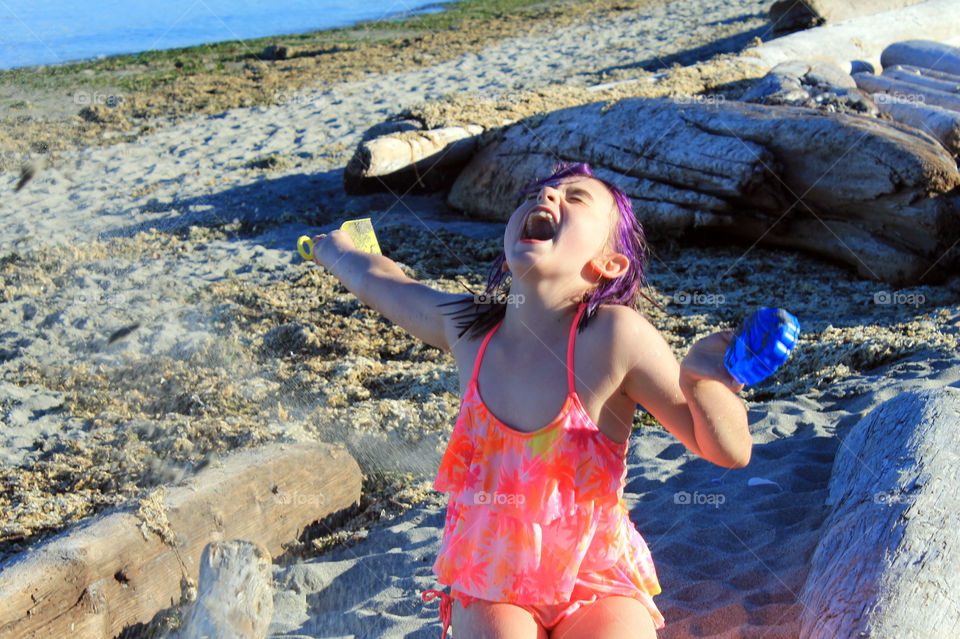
x: 57, y: 31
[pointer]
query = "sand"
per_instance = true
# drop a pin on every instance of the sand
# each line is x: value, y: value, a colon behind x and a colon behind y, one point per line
x: 156, y: 316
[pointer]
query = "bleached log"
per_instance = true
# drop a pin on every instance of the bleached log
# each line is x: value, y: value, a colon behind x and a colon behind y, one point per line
x: 927, y: 53
x: 888, y: 560
x: 929, y: 73
x: 120, y: 570
x: 906, y: 91
x: 941, y: 123
x: 234, y: 593
x: 867, y: 192
x: 861, y: 39
x: 790, y: 15
x: 937, y: 84
x: 410, y: 159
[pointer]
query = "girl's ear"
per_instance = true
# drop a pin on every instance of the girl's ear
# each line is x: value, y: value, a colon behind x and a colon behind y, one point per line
x: 610, y: 265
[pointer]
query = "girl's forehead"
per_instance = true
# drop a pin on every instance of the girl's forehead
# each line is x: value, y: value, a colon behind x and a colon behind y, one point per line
x: 591, y: 184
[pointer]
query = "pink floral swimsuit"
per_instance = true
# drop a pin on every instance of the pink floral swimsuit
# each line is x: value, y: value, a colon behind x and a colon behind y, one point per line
x: 537, y: 518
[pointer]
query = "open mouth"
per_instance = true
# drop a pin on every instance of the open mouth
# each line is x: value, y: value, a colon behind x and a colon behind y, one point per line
x: 540, y: 226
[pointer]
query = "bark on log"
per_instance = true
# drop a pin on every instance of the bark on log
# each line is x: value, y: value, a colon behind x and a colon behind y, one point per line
x: 791, y: 15
x: 419, y: 160
x: 923, y: 53
x: 120, y: 570
x: 888, y: 561
x: 907, y: 91
x: 866, y: 192
x: 862, y: 39
x: 234, y: 593
x: 941, y: 123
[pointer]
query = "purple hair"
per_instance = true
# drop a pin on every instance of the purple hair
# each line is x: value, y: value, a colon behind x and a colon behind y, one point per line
x: 628, y: 239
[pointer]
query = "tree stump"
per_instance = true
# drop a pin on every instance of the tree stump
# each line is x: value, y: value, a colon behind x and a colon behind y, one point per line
x: 234, y: 593
x: 888, y: 561
x: 876, y: 195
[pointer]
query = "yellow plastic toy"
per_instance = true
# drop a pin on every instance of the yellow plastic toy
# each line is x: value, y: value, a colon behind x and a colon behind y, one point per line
x: 360, y: 231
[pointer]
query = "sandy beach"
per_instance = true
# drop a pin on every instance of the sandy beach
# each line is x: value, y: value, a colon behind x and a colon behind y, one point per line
x: 156, y: 316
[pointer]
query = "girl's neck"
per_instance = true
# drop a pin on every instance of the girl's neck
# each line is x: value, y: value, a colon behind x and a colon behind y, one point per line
x: 545, y: 314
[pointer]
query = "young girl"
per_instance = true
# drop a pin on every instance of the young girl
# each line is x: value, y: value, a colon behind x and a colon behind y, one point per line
x: 538, y: 541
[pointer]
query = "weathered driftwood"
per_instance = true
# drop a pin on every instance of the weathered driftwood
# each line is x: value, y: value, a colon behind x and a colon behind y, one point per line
x: 915, y: 76
x: 791, y: 15
x: 888, y: 561
x: 857, y: 43
x: 122, y: 569
x: 941, y: 123
x: 859, y: 190
x: 813, y: 84
x: 928, y: 54
x: 234, y: 593
x: 907, y: 91
x: 420, y: 160
x: 929, y: 73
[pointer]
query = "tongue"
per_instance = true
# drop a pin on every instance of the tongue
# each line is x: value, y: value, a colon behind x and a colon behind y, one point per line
x: 540, y: 229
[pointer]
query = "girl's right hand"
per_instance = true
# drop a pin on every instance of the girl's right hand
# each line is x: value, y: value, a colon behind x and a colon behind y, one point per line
x: 327, y: 248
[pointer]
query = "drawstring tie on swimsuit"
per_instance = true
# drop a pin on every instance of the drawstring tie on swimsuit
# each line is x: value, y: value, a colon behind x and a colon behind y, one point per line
x: 446, y: 607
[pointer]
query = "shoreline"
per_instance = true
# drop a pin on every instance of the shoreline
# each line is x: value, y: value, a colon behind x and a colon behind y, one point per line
x: 49, y: 109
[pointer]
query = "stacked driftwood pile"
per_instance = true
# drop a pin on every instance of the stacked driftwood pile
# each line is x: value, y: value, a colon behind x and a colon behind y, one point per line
x: 920, y: 87
x: 814, y: 164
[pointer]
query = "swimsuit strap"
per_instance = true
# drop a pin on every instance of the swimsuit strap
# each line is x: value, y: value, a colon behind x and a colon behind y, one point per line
x: 571, y: 388
x: 483, y: 347
x: 570, y: 342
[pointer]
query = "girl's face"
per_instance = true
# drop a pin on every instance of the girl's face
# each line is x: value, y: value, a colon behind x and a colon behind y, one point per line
x: 559, y: 229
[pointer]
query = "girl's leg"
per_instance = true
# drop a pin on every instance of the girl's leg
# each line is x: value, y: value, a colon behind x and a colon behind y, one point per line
x: 612, y: 617
x: 491, y: 620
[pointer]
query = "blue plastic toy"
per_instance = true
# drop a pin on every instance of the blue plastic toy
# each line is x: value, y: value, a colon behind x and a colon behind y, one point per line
x: 761, y: 345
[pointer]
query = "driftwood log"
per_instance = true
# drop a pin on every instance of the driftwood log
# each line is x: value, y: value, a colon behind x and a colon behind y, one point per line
x: 120, y: 570
x: 813, y: 84
x: 888, y: 562
x: 234, y: 593
x: 792, y: 15
x: 941, y: 123
x: 907, y: 90
x: 928, y: 54
x: 410, y: 160
x: 873, y: 194
x: 856, y: 44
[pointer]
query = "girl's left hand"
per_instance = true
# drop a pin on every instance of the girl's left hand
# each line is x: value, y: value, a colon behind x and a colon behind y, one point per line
x: 705, y: 358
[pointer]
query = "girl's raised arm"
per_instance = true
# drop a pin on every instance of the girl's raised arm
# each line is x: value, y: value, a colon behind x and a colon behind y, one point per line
x: 696, y: 401
x: 379, y: 282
